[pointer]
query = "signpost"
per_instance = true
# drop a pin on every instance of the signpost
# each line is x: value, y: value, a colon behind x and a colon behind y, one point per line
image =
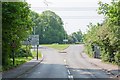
x: 37, y: 51
x: 32, y: 40
x: 65, y: 40
x: 13, y: 45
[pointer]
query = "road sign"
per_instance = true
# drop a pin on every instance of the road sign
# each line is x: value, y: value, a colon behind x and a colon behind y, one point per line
x: 32, y: 39
x: 65, y: 40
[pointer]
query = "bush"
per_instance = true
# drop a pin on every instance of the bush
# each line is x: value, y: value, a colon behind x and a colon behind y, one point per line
x: 22, y: 52
x: 107, y: 34
x: 18, y: 61
x: 117, y: 57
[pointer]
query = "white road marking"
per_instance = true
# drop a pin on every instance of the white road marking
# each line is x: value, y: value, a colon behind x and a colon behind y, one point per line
x: 66, y: 66
x: 68, y: 72
x: 65, y: 60
x: 70, y: 77
x: 78, y: 70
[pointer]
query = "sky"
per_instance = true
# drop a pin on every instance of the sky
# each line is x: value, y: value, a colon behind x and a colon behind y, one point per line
x: 75, y: 14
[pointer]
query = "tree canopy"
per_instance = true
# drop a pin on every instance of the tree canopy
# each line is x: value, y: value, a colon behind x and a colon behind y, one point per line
x: 76, y: 37
x: 107, y: 34
x: 16, y: 25
x: 50, y: 28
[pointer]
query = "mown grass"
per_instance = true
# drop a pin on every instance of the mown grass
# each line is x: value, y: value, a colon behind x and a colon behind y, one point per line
x: 19, y: 60
x: 0, y: 68
x: 57, y: 46
x: 34, y: 54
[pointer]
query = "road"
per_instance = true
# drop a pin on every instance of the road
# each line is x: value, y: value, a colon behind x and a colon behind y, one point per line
x: 52, y: 66
x: 67, y: 64
x: 79, y: 67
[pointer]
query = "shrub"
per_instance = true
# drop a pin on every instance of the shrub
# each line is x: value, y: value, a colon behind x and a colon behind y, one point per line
x: 22, y: 52
x: 117, y: 57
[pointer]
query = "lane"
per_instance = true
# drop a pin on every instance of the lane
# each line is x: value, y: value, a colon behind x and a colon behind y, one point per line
x: 52, y: 66
x: 67, y: 64
x: 79, y: 67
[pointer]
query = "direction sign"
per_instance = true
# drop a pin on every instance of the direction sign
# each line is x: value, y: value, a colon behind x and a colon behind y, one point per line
x: 65, y: 40
x: 32, y: 39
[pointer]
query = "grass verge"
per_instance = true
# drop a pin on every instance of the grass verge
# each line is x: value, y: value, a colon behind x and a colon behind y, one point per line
x: 0, y: 68
x: 18, y: 61
x: 34, y: 54
x: 57, y: 46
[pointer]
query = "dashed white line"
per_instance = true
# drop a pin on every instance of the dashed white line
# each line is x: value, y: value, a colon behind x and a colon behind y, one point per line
x: 65, y: 60
x: 66, y: 66
x: 68, y: 72
x: 70, y: 77
x: 78, y: 70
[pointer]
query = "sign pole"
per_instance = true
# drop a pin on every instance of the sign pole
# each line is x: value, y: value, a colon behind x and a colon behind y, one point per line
x: 33, y: 40
x: 37, y: 51
x: 13, y: 57
x: 13, y: 45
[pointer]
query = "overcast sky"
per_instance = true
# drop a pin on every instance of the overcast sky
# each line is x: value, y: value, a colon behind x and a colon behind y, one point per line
x: 76, y: 14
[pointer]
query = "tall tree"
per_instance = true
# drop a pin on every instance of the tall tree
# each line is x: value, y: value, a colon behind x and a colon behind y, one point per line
x: 16, y: 25
x: 35, y: 19
x: 50, y: 28
x: 76, y: 37
x: 107, y: 34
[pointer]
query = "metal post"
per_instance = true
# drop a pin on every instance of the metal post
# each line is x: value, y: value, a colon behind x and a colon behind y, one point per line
x: 34, y: 34
x: 13, y: 45
x: 13, y: 56
x: 37, y: 51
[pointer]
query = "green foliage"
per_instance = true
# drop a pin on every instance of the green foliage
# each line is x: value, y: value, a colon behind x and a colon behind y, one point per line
x: 111, y: 11
x: 117, y: 57
x: 35, y: 19
x: 107, y: 34
x: 49, y: 27
x: 34, y: 54
x: 22, y: 52
x: 76, y: 37
x: 91, y: 38
x: 16, y: 25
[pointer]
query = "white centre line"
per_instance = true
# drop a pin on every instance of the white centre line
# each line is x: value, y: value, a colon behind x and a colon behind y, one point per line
x: 66, y: 66
x: 64, y: 60
x: 68, y: 72
x: 70, y: 77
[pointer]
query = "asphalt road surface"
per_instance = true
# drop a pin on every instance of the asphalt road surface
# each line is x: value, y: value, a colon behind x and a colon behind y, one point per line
x: 79, y: 67
x: 52, y: 66
x: 65, y: 64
